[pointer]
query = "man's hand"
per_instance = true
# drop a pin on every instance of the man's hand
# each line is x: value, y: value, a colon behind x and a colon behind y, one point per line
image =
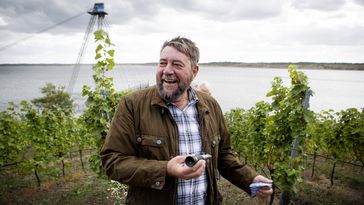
x: 177, y: 168
x: 265, y: 191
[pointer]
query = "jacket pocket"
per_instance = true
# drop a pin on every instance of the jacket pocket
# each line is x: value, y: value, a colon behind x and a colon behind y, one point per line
x: 153, y: 147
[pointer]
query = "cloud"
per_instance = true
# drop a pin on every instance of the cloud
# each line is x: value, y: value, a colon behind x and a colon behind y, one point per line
x: 229, y: 10
x: 125, y: 12
x: 321, y: 35
x: 32, y: 16
x: 360, y: 2
x: 2, y: 22
x: 235, y: 30
x: 329, y: 5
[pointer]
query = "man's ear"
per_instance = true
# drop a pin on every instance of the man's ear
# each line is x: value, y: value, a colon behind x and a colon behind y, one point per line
x: 195, y: 70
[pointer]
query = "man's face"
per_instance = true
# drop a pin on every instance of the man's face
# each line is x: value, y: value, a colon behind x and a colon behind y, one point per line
x: 174, y: 74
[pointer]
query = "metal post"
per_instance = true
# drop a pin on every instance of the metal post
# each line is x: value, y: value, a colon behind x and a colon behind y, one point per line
x: 285, y: 196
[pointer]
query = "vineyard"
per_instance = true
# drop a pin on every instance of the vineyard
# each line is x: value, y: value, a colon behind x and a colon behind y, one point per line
x: 282, y: 138
x: 277, y: 138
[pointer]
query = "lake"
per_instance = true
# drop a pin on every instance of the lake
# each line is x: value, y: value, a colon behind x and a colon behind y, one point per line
x: 232, y: 86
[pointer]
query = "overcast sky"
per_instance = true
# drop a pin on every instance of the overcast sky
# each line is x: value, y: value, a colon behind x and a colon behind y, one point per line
x: 224, y: 30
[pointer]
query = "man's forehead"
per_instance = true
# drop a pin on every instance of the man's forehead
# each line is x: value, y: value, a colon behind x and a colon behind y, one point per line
x: 171, y: 53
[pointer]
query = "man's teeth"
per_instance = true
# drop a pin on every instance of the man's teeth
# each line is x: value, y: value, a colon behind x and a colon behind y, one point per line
x: 169, y: 81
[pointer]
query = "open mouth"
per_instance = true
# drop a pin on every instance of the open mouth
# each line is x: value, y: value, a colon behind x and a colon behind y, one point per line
x: 169, y: 81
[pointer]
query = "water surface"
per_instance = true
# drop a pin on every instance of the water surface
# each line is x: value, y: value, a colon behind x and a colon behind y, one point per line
x: 231, y: 86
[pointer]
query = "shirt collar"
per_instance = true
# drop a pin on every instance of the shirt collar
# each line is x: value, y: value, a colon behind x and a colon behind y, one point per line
x: 192, y: 96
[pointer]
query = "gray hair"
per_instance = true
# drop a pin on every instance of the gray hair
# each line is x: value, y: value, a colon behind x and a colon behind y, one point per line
x: 185, y: 46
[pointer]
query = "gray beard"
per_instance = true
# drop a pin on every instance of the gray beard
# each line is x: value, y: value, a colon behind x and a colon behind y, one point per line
x: 174, y: 96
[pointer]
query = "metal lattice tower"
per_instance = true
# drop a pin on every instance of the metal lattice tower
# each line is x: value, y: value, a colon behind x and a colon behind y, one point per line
x: 97, y: 12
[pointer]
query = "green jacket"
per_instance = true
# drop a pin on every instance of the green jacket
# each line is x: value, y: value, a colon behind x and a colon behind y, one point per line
x: 143, y: 136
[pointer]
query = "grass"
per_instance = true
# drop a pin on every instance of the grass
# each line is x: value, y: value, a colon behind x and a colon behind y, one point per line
x: 78, y: 188
x: 347, y: 189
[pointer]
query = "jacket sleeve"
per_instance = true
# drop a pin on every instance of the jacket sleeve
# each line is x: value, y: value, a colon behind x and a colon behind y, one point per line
x: 228, y: 164
x: 119, y: 153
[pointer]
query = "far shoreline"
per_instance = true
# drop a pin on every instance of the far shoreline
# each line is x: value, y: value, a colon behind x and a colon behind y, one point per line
x: 299, y: 65
x: 280, y: 65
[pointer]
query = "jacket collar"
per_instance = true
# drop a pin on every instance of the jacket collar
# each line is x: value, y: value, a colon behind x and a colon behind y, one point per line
x: 193, y: 95
x: 156, y: 99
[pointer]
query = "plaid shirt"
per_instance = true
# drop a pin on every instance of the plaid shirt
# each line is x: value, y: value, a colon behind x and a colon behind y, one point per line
x: 191, y: 191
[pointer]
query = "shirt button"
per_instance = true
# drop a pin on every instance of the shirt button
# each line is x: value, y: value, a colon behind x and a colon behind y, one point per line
x: 139, y: 139
x: 158, y: 142
x: 157, y: 183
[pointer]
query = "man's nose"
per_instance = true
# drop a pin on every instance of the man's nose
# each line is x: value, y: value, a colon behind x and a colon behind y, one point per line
x: 168, y: 69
